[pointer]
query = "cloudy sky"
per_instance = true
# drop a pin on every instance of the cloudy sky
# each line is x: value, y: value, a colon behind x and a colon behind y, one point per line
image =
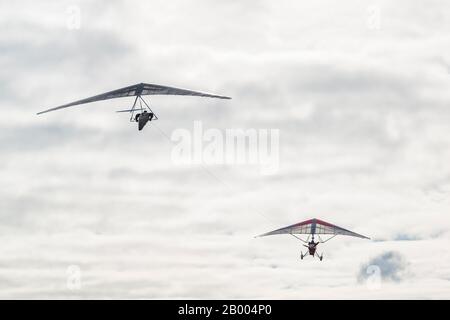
x: 92, y: 208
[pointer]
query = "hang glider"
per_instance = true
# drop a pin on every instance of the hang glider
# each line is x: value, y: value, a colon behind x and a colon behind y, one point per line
x: 138, y: 90
x: 311, y: 228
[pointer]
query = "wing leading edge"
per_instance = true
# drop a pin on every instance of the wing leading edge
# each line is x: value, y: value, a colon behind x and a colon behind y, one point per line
x: 314, y: 226
x: 140, y: 89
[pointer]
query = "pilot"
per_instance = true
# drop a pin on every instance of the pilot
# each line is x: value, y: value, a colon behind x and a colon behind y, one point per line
x: 150, y: 116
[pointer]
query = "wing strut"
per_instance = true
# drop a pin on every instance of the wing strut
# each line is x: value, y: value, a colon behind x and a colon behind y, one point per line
x: 134, y: 109
x: 300, y: 238
x: 154, y: 114
x: 321, y: 241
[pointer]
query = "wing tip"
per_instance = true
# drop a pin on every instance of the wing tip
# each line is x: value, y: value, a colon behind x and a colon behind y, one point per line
x: 45, y: 111
x: 263, y: 235
x: 216, y: 96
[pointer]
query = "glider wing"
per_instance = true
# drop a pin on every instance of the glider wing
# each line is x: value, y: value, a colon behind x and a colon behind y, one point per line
x: 314, y: 226
x: 138, y: 90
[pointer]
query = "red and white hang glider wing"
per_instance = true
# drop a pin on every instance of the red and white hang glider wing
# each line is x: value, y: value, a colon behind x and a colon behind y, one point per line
x: 314, y: 226
x: 140, y: 89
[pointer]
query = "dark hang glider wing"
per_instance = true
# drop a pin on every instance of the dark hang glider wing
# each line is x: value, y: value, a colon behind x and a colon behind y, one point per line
x: 138, y: 90
x: 314, y: 226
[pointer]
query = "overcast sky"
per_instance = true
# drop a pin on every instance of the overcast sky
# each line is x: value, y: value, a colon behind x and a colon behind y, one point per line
x: 358, y: 89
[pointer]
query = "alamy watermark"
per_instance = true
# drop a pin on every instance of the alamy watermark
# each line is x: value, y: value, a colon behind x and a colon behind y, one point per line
x: 373, y: 280
x: 230, y: 146
x: 373, y: 19
x: 73, y: 281
x: 73, y: 19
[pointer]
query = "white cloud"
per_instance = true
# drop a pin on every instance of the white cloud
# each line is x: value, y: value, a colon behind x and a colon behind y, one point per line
x: 364, y: 142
